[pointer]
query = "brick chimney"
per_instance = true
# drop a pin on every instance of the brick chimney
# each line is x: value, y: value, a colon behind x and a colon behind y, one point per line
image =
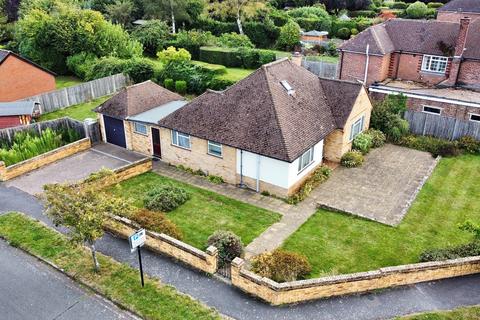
x: 459, y: 49
x: 297, y: 58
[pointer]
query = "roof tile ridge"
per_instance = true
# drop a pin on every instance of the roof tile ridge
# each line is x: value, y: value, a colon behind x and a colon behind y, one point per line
x: 375, y: 37
x: 282, y: 137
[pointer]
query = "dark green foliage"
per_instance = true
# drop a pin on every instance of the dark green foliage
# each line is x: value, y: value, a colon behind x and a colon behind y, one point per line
x: 289, y: 36
x: 314, y: 24
x: 352, y: 159
x: 363, y: 13
x: 165, y: 198
x: 192, y: 40
x: 197, y: 77
x: 241, y: 57
x: 80, y: 64
x: 215, y: 179
x: 234, y: 40
x: 466, y: 250
x: 157, y: 222
x: 263, y: 34
x: 169, y: 84
x: 434, y: 5
x: 344, y: 33
x: 399, y: 5
x: 139, y: 69
x: 469, y: 144
x: 278, y: 17
x: 105, y: 67
x: 229, y: 245
x: 318, y: 176
x: 362, y: 142
x: 153, y: 36
x: 378, y: 137
x: 220, y: 84
x: 181, y: 86
x: 215, y: 27
x: 433, y: 145
x: 281, y: 265
x: 387, y: 117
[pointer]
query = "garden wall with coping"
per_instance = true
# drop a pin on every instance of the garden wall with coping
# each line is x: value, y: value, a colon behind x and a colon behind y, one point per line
x: 128, y: 171
x: 303, y: 290
x: 164, y: 244
x: 17, y: 169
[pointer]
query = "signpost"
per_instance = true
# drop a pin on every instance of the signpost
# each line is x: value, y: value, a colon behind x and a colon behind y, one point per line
x: 136, y: 241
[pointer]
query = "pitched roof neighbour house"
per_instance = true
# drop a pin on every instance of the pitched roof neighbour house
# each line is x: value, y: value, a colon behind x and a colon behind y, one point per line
x: 461, y: 6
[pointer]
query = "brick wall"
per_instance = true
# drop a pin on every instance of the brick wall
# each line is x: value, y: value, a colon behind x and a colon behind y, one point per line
x: 353, y: 67
x: 163, y: 244
x: 469, y: 73
x: 136, y: 141
x: 456, y: 16
x: 20, y: 79
x: 198, y: 158
x: 10, y: 172
x: 304, y: 290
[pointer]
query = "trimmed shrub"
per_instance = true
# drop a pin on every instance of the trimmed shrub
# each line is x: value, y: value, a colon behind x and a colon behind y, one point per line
x: 234, y: 40
x: 220, y: 84
x: 386, y: 117
x: 469, y: 144
x: 215, y: 179
x: 352, y: 159
x: 344, y: 33
x: 157, y: 222
x: 229, y: 245
x: 318, y: 176
x: 152, y: 35
x: 165, y: 198
x: 139, y: 69
x: 434, y: 5
x: 362, y: 13
x: 466, y: 250
x: 263, y: 34
x: 289, y: 36
x: 169, y: 84
x: 378, y: 137
x: 281, y: 265
x: 354, y: 32
x: 192, y: 40
x: 197, y: 77
x: 417, y: 10
x: 399, y: 5
x: 224, y: 56
x: 362, y: 142
x: 433, y: 145
x: 105, y: 67
x: 181, y: 86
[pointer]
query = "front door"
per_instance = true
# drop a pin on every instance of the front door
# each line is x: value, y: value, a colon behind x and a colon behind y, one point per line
x: 157, y: 151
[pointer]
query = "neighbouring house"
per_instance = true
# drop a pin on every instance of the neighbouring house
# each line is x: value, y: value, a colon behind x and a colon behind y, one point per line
x: 18, y: 113
x: 21, y: 78
x: 455, y: 10
x: 129, y: 118
x: 270, y: 130
x: 313, y: 37
x: 436, y: 64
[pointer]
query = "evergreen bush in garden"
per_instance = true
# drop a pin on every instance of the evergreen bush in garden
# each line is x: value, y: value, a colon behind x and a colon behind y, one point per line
x: 181, y: 86
x: 281, y: 265
x: 229, y: 245
x: 165, y: 198
x: 352, y: 159
x: 169, y: 84
x: 362, y: 142
x: 157, y: 222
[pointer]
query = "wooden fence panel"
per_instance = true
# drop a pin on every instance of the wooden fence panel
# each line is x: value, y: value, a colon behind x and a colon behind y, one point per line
x: 81, y: 93
x: 441, y: 127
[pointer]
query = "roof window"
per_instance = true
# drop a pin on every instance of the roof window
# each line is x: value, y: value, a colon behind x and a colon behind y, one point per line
x: 288, y: 87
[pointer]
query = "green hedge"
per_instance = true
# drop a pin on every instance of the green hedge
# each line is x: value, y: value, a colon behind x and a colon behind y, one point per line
x: 236, y: 57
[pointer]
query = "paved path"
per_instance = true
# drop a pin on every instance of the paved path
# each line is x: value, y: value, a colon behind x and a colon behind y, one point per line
x: 32, y: 290
x: 385, y: 304
x: 292, y: 216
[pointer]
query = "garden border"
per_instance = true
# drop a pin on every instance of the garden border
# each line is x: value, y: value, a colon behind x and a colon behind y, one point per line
x: 304, y: 290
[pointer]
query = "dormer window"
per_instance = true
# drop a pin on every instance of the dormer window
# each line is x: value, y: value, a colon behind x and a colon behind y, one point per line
x: 288, y: 87
x: 435, y: 64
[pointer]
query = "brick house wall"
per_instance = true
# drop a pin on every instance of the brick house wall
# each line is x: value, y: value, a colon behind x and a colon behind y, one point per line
x: 20, y: 79
x: 408, y: 66
x: 136, y: 141
x: 338, y: 142
x: 469, y: 73
x: 456, y: 16
x: 352, y: 67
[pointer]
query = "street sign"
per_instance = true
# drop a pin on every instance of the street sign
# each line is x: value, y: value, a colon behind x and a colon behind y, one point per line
x: 137, y: 239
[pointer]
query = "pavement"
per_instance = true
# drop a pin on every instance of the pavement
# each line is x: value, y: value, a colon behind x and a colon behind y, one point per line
x: 382, y: 189
x: 75, y: 167
x: 385, y: 304
x: 31, y: 289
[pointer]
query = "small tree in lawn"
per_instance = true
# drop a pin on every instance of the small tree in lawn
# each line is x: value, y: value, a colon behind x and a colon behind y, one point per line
x: 83, y: 210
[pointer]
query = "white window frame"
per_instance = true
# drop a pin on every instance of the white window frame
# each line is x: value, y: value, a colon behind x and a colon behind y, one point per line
x: 177, y: 136
x: 472, y: 115
x: 217, y: 145
x: 435, y: 64
x: 306, y: 159
x: 136, y: 130
x: 432, y: 107
x: 360, y: 121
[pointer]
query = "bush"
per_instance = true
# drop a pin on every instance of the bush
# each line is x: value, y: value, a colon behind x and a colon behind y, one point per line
x: 172, y: 54
x: 362, y: 13
x: 234, y: 40
x: 139, y: 69
x: 466, y: 250
x: 354, y: 32
x: 386, y: 117
x: 344, y: 33
x: 169, y: 84
x: 81, y: 64
x: 399, y: 5
x: 318, y: 176
x: 469, y: 144
x: 192, y: 40
x: 263, y: 34
x: 197, y: 77
x: 289, y: 36
x: 362, y: 142
x: 352, y: 159
x: 434, y: 5
x: 220, y: 84
x: 229, y: 245
x: 378, y: 137
x: 241, y: 57
x: 105, y: 67
x: 449, y: 150
x: 281, y: 265
x: 152, y: 35
x: 433, y: 145
x: 417, y: 10
x: 215, y: 179
x: 181, y: 86
x: 157, y: 222
x: 165, y: 198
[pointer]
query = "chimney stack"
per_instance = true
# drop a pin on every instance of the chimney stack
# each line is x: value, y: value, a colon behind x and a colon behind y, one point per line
x: 297, y: 58
x: 459, y: 49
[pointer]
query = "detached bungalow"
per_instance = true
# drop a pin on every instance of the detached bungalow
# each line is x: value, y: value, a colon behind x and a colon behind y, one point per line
x: 270, y: 130
x: 129, y: 118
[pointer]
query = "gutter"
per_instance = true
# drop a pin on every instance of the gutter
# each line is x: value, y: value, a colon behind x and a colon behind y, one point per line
x: 395, y: 91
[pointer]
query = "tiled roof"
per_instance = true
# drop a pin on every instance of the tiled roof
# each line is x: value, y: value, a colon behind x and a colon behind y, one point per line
x: 136, y: 99
x: 5, y: 53
x: 259, y: 115
x: 462, y: 6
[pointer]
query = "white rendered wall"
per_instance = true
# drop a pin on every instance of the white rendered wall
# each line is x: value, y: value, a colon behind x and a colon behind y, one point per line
x: 294, y: 176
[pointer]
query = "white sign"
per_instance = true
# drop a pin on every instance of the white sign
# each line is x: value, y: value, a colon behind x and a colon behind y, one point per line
x: 137, y: 239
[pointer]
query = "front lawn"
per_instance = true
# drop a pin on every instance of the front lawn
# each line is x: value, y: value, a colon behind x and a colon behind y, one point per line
x: 204, y: 213
x: 465, y: 313
x: 78, y: 112
x: 115, y: 280
x: 67, y: 81
x: 336, y: 243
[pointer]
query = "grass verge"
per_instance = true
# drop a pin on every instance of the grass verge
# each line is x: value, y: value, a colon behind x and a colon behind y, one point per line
x: 204, y: 213
x: 79, y: 112
x: 465, y: 313
x: 336, y: 243
x: 116, y: 281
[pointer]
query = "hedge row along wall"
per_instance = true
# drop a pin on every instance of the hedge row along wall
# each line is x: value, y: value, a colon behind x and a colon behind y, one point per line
x: 304, y: 290
x: 17, y: 169
x: 237, y: 58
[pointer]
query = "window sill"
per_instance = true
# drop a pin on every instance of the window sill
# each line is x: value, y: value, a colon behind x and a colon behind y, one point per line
x: 435, y: 73
x: 180, y: 147
x: 141, y: 133
x: 306, y: 167
x: 215, y: 155
x: 433, y: 113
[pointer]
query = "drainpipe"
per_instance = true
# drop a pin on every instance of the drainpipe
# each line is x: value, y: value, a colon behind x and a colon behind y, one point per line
x: 258, y: 173
x: 341, y: 65
x: 241, y: 168
x: 366, y: 66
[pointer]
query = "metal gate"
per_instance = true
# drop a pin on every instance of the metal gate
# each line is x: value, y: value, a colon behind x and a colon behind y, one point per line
x: 224, y: 269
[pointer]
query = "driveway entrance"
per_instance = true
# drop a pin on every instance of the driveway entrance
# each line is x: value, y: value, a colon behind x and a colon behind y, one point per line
x: 75, y: 168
